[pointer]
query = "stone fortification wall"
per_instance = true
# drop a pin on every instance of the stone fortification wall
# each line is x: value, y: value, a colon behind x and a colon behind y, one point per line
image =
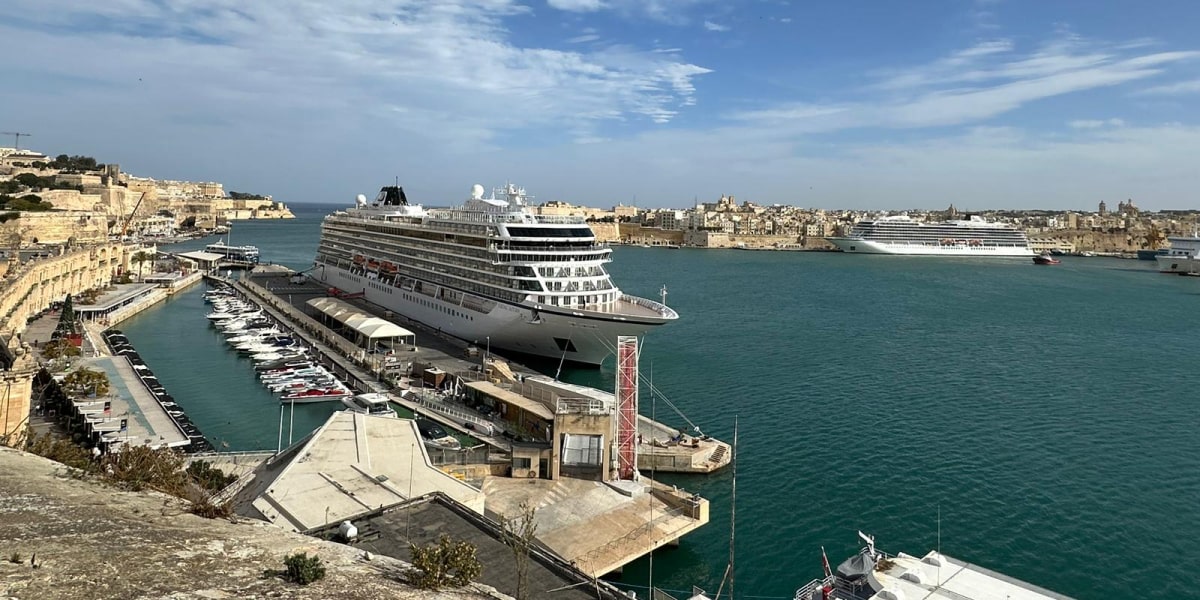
x: 30, y: 288
x: 1097, y: 241
x: 632, y: 232
x: 606, y: 232
x: 73, y: 200
x: 55, y: 227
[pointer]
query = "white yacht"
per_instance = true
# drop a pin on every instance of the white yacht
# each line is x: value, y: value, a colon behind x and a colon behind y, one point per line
x: 904, y: 235
x: 489, y: 272
x: 1182, y: 257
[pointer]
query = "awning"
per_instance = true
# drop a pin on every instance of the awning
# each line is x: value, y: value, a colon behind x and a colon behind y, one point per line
x: 513, y: 398
x: 201, y: 256
x: 368, y: 326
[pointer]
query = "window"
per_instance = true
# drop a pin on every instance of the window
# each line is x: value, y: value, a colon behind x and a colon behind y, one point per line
x: 582, y: 450
x: 522, y: 463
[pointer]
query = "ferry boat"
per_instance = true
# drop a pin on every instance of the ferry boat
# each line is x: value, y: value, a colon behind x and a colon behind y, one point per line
x: 1182, y: 257
x: 903, y: 235
x: 235, y: 255
x: 489, y: 272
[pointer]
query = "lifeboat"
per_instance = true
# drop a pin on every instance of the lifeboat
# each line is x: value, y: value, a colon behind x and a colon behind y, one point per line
x: 373, y: 265
x: 388, y: 267
x: 359, y: 259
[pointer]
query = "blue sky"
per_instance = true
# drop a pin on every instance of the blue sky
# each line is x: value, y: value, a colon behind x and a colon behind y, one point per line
x: 850, y: 104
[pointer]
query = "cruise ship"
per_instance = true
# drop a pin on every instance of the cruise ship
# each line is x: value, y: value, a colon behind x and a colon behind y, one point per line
x: 903, y: 235
x: 489, y: 272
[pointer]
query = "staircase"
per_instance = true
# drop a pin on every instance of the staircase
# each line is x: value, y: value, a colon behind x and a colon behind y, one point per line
x: 718, y: 455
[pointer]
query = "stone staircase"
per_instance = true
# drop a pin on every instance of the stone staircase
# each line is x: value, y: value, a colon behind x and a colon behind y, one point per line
x: 718, y: 455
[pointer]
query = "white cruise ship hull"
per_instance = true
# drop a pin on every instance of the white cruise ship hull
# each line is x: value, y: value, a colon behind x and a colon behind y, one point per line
x: 505, y: 327
x: 1178, y: 264
x: 861, y: 246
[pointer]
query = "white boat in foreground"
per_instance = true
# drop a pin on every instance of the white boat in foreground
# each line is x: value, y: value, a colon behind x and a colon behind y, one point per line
x: 873, y: 575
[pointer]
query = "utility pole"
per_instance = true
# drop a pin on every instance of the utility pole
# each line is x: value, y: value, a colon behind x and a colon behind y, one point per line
x: 17, y: 137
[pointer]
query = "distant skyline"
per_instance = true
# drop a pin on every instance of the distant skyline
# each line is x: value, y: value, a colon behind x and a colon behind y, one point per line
x: 986, y: 104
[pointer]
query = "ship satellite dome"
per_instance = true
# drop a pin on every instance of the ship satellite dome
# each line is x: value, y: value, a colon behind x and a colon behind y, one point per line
x: 476, y: 192
x: 361, y: 197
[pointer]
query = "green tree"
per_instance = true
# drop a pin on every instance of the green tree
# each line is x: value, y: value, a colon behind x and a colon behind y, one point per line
x: 83, y: 382
x: 60, y: 348
x: 447, y: 561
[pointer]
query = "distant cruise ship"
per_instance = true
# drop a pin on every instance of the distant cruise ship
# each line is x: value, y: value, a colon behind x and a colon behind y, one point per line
x: 903, y: 235
x: 489, y: 272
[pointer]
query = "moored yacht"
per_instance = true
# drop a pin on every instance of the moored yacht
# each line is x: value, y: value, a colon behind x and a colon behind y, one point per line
x: 489, y: 272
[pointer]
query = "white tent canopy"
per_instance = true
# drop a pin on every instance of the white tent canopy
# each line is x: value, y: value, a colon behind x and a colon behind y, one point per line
x: 368, y: 328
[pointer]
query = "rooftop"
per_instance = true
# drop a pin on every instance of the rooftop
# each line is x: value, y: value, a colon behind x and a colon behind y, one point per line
x: 351, y: 465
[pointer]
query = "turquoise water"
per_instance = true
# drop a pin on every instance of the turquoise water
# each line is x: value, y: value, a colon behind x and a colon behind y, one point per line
x: 1047, y: 411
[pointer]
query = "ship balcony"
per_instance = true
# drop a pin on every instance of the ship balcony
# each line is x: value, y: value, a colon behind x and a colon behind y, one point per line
x: 626, y: 307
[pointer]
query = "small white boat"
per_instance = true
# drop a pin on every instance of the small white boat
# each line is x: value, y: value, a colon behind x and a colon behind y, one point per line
x: 375, y: 405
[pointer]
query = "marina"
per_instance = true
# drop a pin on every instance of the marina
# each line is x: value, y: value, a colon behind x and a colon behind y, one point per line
x: 826, y: 500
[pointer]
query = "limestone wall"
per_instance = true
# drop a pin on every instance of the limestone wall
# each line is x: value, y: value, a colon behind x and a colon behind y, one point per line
x: 606, y: 232
x: 73, y: 200
x: 632, y: 232
x: 55, y: 227
x: 30, y: 288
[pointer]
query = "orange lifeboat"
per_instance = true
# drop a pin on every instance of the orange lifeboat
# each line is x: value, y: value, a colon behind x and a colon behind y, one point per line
x: 388, y: 267
x: 373, y: 265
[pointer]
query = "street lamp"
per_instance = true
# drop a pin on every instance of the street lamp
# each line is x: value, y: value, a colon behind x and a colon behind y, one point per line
x: 487, y: 355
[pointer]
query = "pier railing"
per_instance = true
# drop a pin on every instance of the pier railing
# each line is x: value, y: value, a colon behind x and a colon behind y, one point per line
x: 432, y: 402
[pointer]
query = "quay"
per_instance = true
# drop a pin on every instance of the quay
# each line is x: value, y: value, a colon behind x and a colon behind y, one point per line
x: 422, y: 373
x: 555, y: 444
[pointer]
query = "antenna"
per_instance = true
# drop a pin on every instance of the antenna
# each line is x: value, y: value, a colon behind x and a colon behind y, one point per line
x: 663, y: 294
x: 939, y: 543
x: 17, y: 137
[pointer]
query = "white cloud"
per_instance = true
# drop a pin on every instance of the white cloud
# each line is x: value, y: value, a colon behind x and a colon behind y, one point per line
x: 587, y: 37
x: 1172, y: 89
x: 709, y: 25
x: 967, y: 86
x: 450, y: 66
x: 1095, y: 123
x: 577, y: 5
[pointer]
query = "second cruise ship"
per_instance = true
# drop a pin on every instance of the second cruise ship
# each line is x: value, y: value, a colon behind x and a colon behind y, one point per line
x: 903, y: 235
x: 489, y: 272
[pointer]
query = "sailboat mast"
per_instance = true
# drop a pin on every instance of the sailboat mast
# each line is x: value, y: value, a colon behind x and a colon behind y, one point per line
x: 733, y: 507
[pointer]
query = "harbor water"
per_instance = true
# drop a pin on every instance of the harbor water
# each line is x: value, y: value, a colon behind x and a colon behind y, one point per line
x: 1045, y: 412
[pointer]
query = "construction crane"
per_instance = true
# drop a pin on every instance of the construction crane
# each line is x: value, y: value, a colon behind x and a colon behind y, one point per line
x: 17, y: 136
x: 129, y: 219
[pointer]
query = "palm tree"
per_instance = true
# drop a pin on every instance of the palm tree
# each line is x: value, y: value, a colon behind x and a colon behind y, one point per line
x: 140, y: 258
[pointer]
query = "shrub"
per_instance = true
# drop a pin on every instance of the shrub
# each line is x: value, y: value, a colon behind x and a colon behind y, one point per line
x: 303, y: 569
x: 209, y: 477
x: 447, y: 561
x: 60, y: 348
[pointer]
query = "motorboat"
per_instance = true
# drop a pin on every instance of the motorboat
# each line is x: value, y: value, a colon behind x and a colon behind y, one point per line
x: 375, y: 405
x: 317, y: 395
x: 435, y: 436
x: 1045, y: 259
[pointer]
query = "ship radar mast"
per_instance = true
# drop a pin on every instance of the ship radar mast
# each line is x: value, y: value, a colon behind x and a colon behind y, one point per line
x: 663, y: 294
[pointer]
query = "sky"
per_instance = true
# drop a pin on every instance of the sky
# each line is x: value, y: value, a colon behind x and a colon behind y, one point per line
x: 659, y: 103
